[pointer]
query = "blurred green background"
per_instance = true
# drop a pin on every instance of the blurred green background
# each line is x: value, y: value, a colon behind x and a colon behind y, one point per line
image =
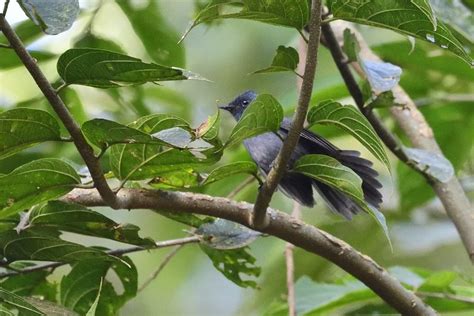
x: 226, y: 53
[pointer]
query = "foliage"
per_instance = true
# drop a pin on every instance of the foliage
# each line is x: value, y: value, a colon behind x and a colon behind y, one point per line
x: 151, y: 136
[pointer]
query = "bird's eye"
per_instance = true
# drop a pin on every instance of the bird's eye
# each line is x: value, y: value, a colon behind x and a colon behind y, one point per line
x: 245, y: 102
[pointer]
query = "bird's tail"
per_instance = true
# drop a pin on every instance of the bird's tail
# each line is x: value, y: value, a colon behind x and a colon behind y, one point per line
x: 340, y: 202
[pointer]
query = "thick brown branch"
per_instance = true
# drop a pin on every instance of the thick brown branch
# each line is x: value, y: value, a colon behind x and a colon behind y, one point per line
x: 280, y: 164
x: 279, y: 225
x: 116, y: 252
x: 85, y: 150
x: 413, y: 123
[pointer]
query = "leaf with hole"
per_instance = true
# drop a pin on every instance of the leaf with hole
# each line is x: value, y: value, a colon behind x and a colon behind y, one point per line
x: 264, y: 114
x: 352, y: 121
x: 289, y: 13
x: 35, y: 182
x: 414, y: 18
x: 331, y: 172
x: 229, y: 170
x: 234, y: 264
x: 105, y: 69
x: 22, y: 128
x: 286, y: 59
x: 53, y: 19
x: 81, y: 220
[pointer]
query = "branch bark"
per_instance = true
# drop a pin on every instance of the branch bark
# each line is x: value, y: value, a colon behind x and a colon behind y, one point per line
x: 413, y: 123
x: 280, y: 164
x: 115, y: 252
x: 279, y: 225
x: 85, y: 150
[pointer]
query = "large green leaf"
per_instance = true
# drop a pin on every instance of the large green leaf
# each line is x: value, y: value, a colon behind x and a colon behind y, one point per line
x: 231, y: 169
x: 21, y: 128
x: 352, y: 121
x: 286, y: 59
x: 456, y: 15
x: 19, y: 303
x: 159, y: 39
x: 289, y: 13
x: 234, y: 264
x: 43, y: 246
x: 414, y: 18
x: 104, y: 133
x: 35, y: 182
x: 80, y: 287
x: 105, y: 69
x: 331, y: 172
x: 53, y: 19
x: 264, y: 114
x: 81, y: 220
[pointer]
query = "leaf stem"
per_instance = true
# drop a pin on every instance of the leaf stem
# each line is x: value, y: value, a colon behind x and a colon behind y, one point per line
x: 84, y: 149
x: 241, y: 186
x: 259, y: 218
x: 303, y: 36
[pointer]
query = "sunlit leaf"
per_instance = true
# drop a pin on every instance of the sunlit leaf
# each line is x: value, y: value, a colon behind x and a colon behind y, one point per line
x: 21, y: 128
x: 289, y: 13
x: 234, y: 264
x: 231, y: 169
x: 35, y: 182
x: 286, y: 59
x: 105, y: 69
x: 352, y: 121
x: 53, y: 19
x: 414, y: 18
x: 264, y: 114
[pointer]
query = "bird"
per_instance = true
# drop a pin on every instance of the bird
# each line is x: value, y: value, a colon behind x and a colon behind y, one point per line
x: 264, y: 148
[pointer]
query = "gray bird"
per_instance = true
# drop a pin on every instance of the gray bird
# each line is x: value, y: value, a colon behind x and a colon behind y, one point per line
x: 264, y: 148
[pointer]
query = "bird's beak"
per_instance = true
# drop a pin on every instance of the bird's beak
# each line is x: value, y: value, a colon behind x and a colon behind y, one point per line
x: 225, y: 107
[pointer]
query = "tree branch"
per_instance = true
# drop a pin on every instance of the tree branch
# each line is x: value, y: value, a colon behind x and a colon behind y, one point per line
x: 280, y: 225
x: 413, y: 123
x: 116, y: 252
x: 280, y: 164
x: 85, y: 150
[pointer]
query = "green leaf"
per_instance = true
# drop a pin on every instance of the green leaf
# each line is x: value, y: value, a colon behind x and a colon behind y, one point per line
x: 177, y: 179
x: 264, y: 114
x: 81, y: 220
x: 351, y: 46
x: 105, y: 69
x: 38, y: 245
x: 89, y: 40
x: 234, y: 263
x: 456, y: 15
x: 35, y: 182
x: 209, y: 130
x: 22, y: 128
x: 81, y: 286
x: 383, y: 100
x: 286, y: 59
x: 26, y: 30
x: 104, y: 133
x: 331, y: 172
x: 229, y: 170
x: 159, y: 38
x: 414, y: 18
x: 438, y: 281
x: 53, y: 19
x: 24, y: 284
x: 18, y: 302
x: 352, y: 121
x: 93, y: 308
x: 144, y: 161
x: 224, y: 234
x: 289, y: 13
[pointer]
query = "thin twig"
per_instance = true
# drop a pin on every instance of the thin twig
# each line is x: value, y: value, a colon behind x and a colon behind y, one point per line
x: 5, y: 7
x: 116, y: 252
x: 413, y: 123
x: 160, y: 268
x: 240, y: 187
x: 290, y: 266
x: 84, y: 149
x: 259, y: 218
x: 281, y: 225
x: 303, y: 36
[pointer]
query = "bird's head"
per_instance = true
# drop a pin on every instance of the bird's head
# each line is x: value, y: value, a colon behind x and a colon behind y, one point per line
x: 239, y: 104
